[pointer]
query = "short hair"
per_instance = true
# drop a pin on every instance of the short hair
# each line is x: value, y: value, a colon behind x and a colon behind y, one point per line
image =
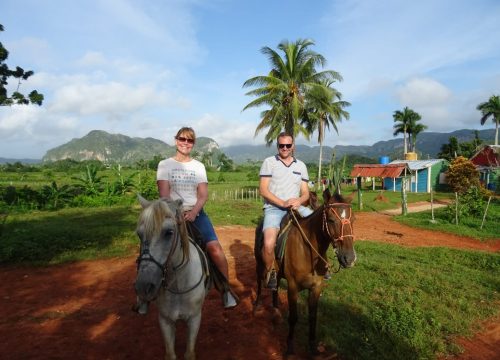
x: 186, y: 130
x: 284, y: 134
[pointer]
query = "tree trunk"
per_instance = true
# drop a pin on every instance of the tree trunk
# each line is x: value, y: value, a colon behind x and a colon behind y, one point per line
x: 404, y: 137
x: 496, y: 132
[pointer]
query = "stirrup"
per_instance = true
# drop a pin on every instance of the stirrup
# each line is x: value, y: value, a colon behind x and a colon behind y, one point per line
x: 271, y: 281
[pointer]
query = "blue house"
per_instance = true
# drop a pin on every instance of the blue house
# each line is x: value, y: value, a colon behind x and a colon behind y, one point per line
x: 424, y: 175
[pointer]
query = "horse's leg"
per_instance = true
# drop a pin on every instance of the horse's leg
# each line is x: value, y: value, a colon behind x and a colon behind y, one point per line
x: 314, y: 294
x: 193, y: 325
x: 167, y: 327
x: 292, y: 316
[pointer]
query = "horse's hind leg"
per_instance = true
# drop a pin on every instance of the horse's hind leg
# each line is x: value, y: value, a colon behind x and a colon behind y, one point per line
x: 193, y: 325
x: 292, y: 316
x: 167, y: 327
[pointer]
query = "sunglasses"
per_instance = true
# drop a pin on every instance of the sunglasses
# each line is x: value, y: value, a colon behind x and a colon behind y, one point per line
x: 288, y: 146
x: 183, y: 139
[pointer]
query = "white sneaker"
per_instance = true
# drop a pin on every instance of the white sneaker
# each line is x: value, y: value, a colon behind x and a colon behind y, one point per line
x: 229, y: 300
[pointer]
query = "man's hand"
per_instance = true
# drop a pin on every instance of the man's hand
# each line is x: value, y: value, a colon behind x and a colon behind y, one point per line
x: 293, y: 203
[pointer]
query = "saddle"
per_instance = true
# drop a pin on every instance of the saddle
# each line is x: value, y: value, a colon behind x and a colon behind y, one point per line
x: 215, y: 278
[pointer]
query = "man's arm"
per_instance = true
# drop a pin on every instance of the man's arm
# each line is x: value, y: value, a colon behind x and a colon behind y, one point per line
x: 268, y: 195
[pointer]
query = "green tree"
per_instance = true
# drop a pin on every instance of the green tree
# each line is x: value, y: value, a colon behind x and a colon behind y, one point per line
x: 20, y: 75
x: 287, y: 87
x: 491, y: 108
x: 462, y: 175
x: 451, y: 150
x: 326, y: 109
x: 403, y: 120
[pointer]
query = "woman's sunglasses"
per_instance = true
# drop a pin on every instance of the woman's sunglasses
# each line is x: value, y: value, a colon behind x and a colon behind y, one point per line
x: 288, y: 146
x: 183, y: 139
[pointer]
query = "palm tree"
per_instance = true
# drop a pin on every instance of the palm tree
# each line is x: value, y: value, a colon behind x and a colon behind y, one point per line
x: 491, y: 108
x: 403, y: 120
x: 413, y: 130
x: 326, y: 109
x: 286, y: 87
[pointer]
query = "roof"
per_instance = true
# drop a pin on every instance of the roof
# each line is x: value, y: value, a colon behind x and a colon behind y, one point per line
x: 418, y: 164
x: 487, y: 156
x: 378, y: 170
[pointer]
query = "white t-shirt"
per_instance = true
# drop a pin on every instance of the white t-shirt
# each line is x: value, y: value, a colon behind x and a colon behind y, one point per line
x: 183, y: 178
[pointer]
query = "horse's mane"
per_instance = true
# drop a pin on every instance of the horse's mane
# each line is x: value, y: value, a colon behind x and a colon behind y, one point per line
x: 152, y: 219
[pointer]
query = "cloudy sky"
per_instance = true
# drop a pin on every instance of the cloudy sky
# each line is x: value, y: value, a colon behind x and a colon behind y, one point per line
x: 143, y: 68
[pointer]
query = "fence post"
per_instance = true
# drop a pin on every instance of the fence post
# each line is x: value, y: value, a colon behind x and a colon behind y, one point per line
x: 485, y: 211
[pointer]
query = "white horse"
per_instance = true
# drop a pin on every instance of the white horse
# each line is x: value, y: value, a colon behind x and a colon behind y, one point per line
x: 172, y: 270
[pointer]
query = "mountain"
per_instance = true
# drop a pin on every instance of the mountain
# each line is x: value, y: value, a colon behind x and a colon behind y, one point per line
x: 117, y: 148
x: 107, y: 147
x: 428, y: 146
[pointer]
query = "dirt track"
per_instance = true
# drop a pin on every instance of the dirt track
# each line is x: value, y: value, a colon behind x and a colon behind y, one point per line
x: 82, y: 310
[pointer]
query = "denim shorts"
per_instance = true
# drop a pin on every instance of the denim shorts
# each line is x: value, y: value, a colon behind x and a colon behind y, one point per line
x: 273, y: 215
x: 205, y: 226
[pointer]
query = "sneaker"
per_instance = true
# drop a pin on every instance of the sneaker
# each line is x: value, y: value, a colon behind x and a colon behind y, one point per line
x: 141, y: 307
x: 272, y: 280
x: 228, y: 300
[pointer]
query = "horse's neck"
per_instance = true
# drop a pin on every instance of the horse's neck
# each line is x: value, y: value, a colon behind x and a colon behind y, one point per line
x: 313, y: 229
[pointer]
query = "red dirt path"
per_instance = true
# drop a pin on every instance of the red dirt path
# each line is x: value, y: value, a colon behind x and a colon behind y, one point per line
x: 82, y: 310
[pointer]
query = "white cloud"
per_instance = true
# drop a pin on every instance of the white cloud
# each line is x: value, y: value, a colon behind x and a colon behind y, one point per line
x: 423, y: 92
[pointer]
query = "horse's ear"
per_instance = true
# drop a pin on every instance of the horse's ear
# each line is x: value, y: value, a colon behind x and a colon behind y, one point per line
x: 144, y: 203
x: 326, y: 195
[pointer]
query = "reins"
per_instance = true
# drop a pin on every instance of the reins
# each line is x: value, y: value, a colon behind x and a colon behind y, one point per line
x: 343, y: 221
x: 311, y: 245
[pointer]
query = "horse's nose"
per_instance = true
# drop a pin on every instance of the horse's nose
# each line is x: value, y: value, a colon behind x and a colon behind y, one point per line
x: 144, y: 289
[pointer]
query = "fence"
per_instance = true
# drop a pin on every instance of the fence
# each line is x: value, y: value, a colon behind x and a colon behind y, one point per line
x: 236, y: 194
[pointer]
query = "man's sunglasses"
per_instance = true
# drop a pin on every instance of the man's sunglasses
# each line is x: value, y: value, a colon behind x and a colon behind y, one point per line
x: 183, y: 139
x: 288, y: 146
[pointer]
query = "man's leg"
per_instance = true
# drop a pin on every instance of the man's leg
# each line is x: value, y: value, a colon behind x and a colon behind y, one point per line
x: 270, y: 277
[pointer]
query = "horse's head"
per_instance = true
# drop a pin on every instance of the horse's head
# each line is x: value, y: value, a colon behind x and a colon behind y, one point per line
x: 161, y: 231
x: 337, y: 223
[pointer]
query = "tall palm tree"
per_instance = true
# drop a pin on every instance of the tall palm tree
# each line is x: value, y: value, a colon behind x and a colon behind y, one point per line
x: 326, y: 109
x: 285, y: 88
x: 403, y: 120
x: 491, y: 108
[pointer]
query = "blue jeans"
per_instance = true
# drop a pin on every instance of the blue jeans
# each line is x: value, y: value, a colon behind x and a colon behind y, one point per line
x: 205, y: 226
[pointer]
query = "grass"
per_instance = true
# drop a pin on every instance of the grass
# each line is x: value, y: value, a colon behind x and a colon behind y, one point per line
x: 467, y: 226
x: 401, y: 303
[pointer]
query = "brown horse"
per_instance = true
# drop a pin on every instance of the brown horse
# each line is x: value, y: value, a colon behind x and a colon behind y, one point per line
x: 304, y: 262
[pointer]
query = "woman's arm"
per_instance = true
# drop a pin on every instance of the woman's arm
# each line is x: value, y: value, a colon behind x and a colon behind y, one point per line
x: 163, y: 188
x: 201, y: 199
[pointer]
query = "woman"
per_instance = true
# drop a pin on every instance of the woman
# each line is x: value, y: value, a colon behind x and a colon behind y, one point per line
x: 182, y: 177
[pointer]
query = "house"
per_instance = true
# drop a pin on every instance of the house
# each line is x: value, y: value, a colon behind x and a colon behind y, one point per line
x: 423, y: 175
x: 426, y: 175
x: 487, y: 161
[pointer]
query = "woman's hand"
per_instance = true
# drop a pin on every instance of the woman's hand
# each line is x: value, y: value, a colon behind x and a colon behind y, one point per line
x: 190, y: 215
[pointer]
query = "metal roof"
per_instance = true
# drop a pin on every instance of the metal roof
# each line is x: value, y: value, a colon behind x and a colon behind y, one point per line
x: 378, y: 170
x: 418, y: 164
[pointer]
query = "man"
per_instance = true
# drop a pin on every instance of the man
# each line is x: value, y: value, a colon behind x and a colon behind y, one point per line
x: 283, y: 185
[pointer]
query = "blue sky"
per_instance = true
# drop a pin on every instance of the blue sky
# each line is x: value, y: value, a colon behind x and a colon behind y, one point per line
x: 144, y: 68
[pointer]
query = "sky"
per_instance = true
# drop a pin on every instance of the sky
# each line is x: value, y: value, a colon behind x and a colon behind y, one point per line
x: 145, y: 68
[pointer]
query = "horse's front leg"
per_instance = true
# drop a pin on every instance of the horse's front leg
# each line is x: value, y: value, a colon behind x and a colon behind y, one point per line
x: 167, y: 327
x: 314, y: 295
x: 292, y: 316
x: 193, y: 325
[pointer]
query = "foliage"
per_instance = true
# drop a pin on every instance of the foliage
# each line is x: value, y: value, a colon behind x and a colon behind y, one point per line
x: 462, y: 175
x: 19, y: 74
x: 454, y: 148
x: 488, y: 109
x: 290, y: 88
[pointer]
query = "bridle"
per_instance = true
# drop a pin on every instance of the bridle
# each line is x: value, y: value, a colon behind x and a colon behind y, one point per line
x: 344, y: 222
x: 168, y: 270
